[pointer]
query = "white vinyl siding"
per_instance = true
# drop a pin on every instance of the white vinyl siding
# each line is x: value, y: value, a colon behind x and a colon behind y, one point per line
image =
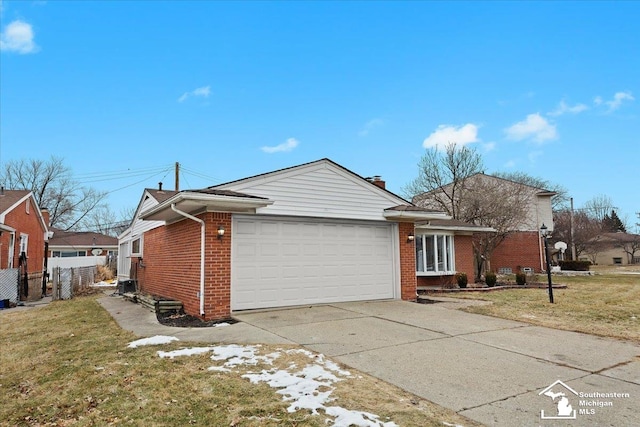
x: 318, y: 190
x: 279, y: 262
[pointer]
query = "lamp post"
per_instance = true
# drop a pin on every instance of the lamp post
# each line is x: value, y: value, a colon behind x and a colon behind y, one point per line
x: 543, y: 231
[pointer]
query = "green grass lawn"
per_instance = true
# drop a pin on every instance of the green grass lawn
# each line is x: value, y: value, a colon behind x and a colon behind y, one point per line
x: 605, y: 304
x: 68, y: 364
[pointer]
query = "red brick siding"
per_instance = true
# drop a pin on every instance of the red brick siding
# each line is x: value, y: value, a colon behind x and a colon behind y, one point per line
x: 464, y: 256
x: 31, y: 225
x: 408, y: 282
x: 218, y: 266
x: 521, y: 249
x: 171, y: 258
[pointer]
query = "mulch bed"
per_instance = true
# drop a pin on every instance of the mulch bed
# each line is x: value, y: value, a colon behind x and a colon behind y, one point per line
x: 182, y: 320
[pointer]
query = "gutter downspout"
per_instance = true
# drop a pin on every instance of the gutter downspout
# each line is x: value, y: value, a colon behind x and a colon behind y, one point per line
x: 202, y: 234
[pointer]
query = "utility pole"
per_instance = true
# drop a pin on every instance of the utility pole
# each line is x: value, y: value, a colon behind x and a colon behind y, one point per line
x: 573, y: 245
x: 177, y: 176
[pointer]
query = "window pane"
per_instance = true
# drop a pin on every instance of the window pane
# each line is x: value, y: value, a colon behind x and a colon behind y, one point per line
x: 135, y: 246
x: 430, y: 252
x: 450, y: 263
x: 440, y: 253
x: 419, y: 253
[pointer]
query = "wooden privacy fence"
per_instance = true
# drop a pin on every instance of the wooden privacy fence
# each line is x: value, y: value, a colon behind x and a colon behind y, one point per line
x: 68, y: 282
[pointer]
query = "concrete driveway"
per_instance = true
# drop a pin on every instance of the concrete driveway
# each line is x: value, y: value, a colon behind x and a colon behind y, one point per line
x: 487, y: 369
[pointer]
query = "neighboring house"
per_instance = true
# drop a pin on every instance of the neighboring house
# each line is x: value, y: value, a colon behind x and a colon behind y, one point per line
x: 80, y: 249
x: 613, y: 249
x: 23, y: 232
x: 522, y: 248
x: 309, y: 234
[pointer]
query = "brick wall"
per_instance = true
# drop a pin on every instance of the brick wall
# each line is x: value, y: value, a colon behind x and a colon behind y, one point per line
x: 521, y: 249
x: 171, y: 258
x: 408, y: 282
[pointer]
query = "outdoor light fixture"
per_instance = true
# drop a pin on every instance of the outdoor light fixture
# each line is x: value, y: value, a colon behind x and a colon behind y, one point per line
x: 410, y: 238
x: 220, y: 231
x: 545, y: 235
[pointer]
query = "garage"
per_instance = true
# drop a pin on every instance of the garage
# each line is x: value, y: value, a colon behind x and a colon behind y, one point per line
x: 281, y: 261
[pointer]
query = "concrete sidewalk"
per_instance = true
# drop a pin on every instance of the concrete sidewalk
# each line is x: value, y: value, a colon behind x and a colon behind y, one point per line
x: 142, y: 322
x: 487, y: 369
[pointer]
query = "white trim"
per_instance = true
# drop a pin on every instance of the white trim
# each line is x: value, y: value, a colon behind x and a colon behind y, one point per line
x: 204, y: 202
x: 140, y: 238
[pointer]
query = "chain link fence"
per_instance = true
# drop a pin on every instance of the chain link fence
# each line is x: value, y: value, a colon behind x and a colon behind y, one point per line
x: 68, y: 282
x: 9, y: 284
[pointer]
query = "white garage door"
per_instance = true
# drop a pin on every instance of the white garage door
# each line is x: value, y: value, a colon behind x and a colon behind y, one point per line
x: 285, y: 262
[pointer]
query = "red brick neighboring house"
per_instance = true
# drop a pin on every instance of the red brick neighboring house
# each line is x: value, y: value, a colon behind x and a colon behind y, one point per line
x: 522, y: 249
x: 23, y: 232
x: 310, y: 234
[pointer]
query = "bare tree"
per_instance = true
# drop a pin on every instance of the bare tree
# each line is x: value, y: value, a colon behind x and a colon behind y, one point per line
x: 453, y: 182
x: 558, y: 202
x: 595, y: 246
x: 104, y: 221
x: 599, y: 207
x: 497, y: 203
x: 442, y: 177
x: 51, y: 181
x: 629, y: 243
x: 585, y: 229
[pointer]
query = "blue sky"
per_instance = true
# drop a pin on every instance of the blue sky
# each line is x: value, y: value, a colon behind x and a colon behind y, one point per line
x: 124, y: 89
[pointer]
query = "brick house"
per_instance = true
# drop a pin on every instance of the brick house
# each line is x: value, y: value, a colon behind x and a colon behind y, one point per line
x: 522, y: 248
x: 23, y: 232
x: 308, y: 234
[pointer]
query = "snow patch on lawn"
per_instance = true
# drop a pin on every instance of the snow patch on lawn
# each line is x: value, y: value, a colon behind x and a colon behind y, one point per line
x: 309, y: 388
x: 156, y: 340
x: 184, y: 352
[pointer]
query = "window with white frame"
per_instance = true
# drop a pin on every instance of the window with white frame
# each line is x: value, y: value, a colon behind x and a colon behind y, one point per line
x: 435, y: 254
x: 68, y: 254
x: 136, y: 247
x: 24, y: 243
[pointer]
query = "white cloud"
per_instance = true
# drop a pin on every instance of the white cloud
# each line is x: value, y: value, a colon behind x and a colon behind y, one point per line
x: 533, y: 156
x: 597, y: 100
x: 563, y: 108
x: 369, y: 126
x: 534, y: 127
x: 446, y: 134
x: 18, y: 37
x: 489, y: 146
x: 203, y: 92
x: 286, y: 146
x: 617, y: 100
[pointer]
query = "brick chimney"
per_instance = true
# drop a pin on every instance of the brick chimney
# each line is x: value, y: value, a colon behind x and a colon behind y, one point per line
x: 45, y: 216
x: 377, y: 180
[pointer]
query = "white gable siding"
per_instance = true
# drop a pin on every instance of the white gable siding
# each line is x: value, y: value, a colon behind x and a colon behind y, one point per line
x: 138, y: 227
x: 318, y: 190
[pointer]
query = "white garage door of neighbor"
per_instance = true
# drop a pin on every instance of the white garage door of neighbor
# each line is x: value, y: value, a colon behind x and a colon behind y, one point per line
x: 286, y: 262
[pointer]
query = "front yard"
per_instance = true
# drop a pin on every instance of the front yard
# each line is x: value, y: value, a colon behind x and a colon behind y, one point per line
x: 605, y: 304
x: 69, y: 364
